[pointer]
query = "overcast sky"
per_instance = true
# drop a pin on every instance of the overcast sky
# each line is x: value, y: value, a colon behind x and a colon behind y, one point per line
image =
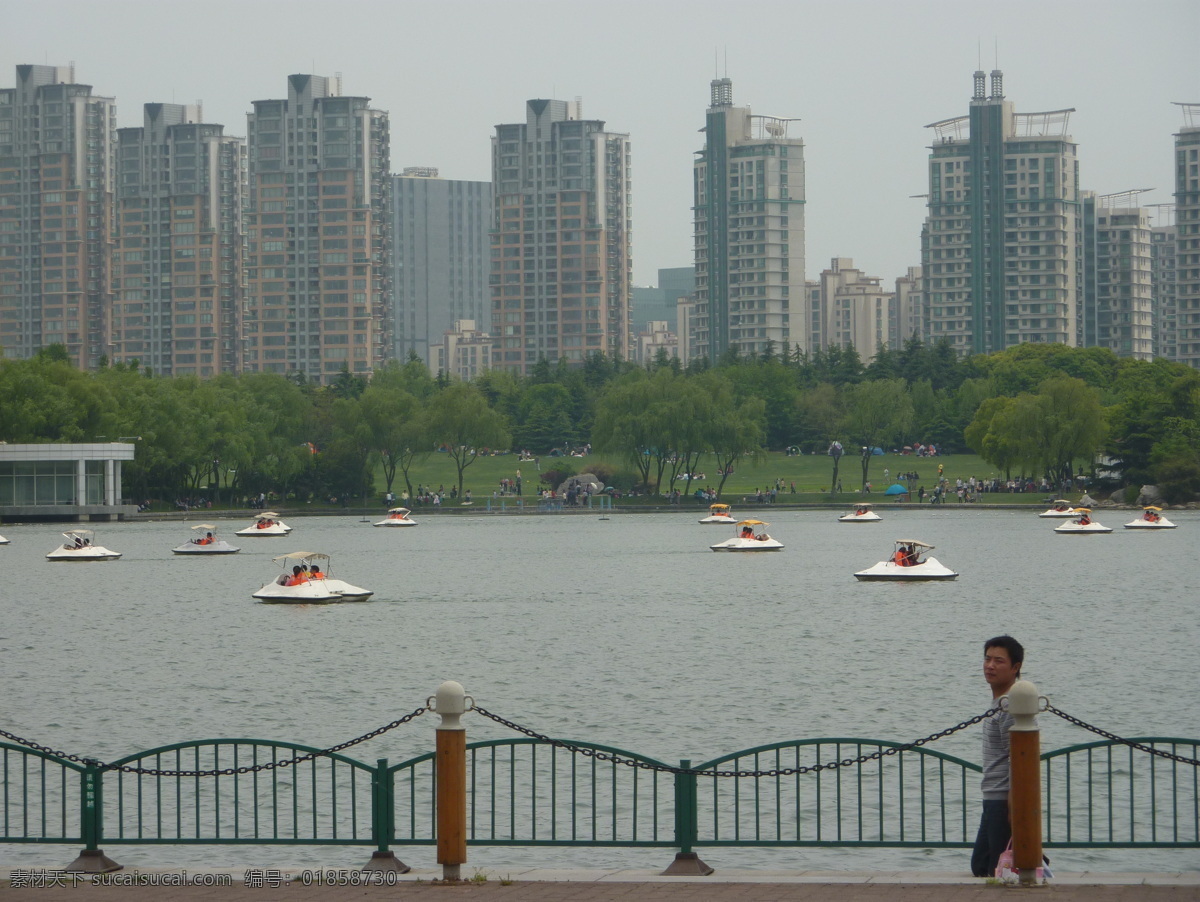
x: 863, y: 77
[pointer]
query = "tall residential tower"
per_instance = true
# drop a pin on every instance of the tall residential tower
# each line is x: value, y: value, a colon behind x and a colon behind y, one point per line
x: 1187, y: 236
x: 319, y: 220
x: 177, y: 267
x: 1002, y: 257
x: 56, y: 155
x: 561, y: 270
x: 441, y: 258
x: 748, y: 231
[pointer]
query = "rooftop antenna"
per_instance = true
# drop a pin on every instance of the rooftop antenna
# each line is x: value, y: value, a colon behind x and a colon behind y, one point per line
x: 716, y: 65
x: 726, y: 61
x: 997, y: 52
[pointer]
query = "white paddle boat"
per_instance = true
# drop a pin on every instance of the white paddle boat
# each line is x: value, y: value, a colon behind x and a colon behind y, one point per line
x: 1151, y: 518
x: 862, y: 513
x: 1082, y: 525
x: 268, y: 524
x: 745, y: 539
x: 206, y: 543
x: 397, y: 516
x: 1060, y: 509
x: 719, y: 513
x: 305, y: 581
x: 81, y: 546
x: 909, y: 562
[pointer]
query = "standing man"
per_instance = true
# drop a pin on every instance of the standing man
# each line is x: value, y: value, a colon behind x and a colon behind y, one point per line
x: 1002, y: 660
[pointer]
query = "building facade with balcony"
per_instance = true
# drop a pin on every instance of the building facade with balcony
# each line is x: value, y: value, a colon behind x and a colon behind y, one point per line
x: 177, y: 260
x: 56, y: 171
x: 464, y: 351
x: 748, y: 231
x: 1001, y: 253
x: 1187, y: 236
x: 319, y: 221
x: 1117, y: 309
x: 561, y: 267
x: 1162, y: 276
x: 857, y: 310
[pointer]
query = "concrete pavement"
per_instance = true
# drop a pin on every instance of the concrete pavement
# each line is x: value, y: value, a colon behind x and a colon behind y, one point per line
x: 582, y: 886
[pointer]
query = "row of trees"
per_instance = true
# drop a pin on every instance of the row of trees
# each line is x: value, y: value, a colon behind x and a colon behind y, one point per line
x: 1033, y: 410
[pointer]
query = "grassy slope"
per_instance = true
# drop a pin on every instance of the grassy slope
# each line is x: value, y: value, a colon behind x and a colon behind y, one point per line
x: 810, y: 473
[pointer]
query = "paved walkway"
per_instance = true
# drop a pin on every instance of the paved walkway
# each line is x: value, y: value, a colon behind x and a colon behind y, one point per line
x: 594, y: 886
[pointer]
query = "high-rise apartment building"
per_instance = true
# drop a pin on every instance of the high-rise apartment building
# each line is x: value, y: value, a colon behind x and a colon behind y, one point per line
x: 561, y: 269
x: 1116, y: 310
x: 1187, y: 235
x: 857, y: 310
x: 56, y: 152
x: 177, y: 263
x: 463, y: 351
x: 908, y: 320
x: 1001, y: 257
x: 748, y: 230
x: 1162, y: 280
x: 442, y: 256
x: 319, y: 220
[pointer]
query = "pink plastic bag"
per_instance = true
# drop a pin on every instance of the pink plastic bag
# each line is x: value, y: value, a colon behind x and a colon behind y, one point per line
x: 1007, y: 871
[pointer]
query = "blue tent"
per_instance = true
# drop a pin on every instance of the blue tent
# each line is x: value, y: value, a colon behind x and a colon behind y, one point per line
x: 896, y: 489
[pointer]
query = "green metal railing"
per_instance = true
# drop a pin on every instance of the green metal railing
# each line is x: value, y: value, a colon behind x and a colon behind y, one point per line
x: 902, y: 797
x: 541, y: 792
x: 326, y: 800
x: 1110, y: 794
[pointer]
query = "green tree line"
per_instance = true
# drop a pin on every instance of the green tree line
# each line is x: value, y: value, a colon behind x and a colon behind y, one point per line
x: 1033, y: 410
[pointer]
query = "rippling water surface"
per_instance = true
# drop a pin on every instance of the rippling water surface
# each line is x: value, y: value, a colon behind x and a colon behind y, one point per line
x: 625, y: 631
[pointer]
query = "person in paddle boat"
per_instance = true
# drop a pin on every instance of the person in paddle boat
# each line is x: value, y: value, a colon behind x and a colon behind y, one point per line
x: 297, y: 578
x: 315, y: 572
x: 1085, y: 520
x: 861, y: 510
x: 901, y: 556
x: 747, y: 532
x: 1152, y: 516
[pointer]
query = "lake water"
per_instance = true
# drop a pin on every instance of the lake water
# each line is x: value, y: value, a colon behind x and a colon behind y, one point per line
x: 624, y: 631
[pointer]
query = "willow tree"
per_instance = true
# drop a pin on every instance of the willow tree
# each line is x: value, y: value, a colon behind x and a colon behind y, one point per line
x: 461, y: 423
x: 736, y: 431
x: 877, y: 412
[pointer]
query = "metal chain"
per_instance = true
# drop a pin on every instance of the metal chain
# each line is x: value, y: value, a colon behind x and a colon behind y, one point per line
x: 223, y: 772
x: 774, y: 772
x: 1129, y: 742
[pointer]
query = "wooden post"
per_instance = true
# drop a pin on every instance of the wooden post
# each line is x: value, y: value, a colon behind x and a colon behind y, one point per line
x: 1025, y: 792
x: 451, y: 775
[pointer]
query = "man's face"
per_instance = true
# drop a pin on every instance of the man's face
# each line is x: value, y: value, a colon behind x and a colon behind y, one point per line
x: 998, y: 668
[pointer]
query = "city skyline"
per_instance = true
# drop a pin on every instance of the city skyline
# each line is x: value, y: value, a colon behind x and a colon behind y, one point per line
x: 860, y: 77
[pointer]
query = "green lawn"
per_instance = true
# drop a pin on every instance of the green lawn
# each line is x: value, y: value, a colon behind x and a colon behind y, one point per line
x: 810, y: 473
